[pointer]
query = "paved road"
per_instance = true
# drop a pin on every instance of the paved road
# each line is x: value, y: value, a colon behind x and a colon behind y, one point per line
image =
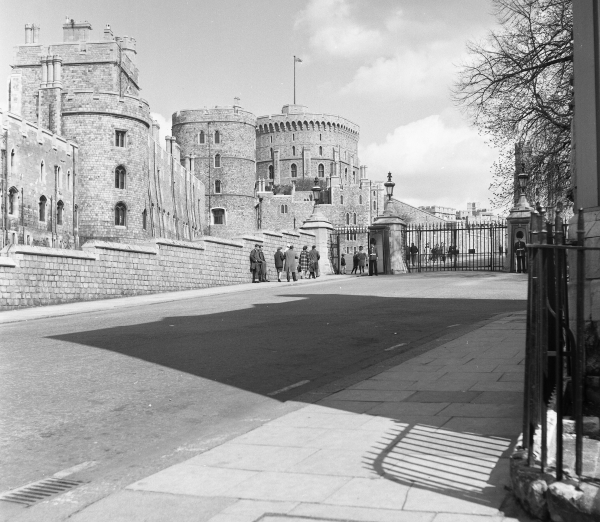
x: 134, y: 389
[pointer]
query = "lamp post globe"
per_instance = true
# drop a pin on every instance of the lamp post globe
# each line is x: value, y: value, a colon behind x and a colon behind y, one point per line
x: 316, y: 190
x: 389, y: 187
x: 523, y: 179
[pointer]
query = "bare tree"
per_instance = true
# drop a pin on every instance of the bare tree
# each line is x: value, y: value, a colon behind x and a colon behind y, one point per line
x: 516, y: 88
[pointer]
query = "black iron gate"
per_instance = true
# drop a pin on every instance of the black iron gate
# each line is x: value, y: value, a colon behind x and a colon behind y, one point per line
x: 346, y: 240
x: 456, y: 245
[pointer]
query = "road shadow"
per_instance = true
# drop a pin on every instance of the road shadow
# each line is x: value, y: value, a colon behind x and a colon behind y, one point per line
x: 319, y: 339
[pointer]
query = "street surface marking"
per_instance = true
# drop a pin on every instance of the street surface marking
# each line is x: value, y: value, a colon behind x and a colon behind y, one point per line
x: 453, y: 325
x: 277, y: 392
x: 395, y: 346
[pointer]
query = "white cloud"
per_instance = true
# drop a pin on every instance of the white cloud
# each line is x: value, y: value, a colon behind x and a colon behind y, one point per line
x: 165, y: 126
x: 334, y: 31
x: 410, y: 74
x: 437, y: 160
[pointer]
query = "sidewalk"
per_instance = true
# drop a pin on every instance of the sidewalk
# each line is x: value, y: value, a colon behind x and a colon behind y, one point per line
x: 427, y: 440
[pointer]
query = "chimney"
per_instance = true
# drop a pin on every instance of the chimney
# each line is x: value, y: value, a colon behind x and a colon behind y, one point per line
x: 108, y: 34
x: 28, y: 33
x: 36, y: 33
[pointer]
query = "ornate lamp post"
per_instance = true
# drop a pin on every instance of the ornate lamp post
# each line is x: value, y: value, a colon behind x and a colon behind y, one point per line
x: 389, y: 187
x: 316, y: 190
x: 523, y: 179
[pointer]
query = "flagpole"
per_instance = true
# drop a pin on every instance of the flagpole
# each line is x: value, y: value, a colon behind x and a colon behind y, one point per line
x: 294, y: 79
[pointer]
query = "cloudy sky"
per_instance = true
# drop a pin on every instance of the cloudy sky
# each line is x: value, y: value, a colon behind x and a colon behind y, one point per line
x: 386, y: 65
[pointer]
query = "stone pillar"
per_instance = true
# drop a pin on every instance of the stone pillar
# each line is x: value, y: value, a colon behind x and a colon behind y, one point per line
x: 28, y: 33
x: 321, y: 227
x: 50, y: 66
x: 517, y: 227
x: 388, y: 231
x: 57, y: 71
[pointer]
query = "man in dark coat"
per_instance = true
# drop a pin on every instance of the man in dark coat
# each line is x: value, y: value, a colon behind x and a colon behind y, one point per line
x: 314, y: 257
x: 373, y: 257
x: 263, y: 265
x: 291, y: 263
x: 279, y: 257
x: 255, y: 264
x: 414, y: 250
x: 520, y: 252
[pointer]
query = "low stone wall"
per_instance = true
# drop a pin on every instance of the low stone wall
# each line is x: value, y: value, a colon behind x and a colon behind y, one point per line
x: 37, y: 276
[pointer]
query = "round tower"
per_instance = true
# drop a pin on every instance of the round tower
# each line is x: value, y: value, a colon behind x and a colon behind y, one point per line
x: 222, y: 143
x: 298, y: 144
x: 112, y: 133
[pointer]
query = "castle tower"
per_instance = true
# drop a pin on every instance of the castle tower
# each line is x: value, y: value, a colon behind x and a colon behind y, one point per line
x: 298, y: 144
x: 87, y: 91
x: 222, y: 143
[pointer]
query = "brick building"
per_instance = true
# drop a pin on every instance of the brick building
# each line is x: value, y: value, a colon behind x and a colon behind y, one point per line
x: 86, y: 92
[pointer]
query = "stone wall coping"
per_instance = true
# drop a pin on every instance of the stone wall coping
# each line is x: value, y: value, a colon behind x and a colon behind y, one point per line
x: 123, y: 247
x: 45, y: 251
x: 248, y: 237
x: 8, y: 261
x: 178, y: 243
x: 305, y: 233
x: 290, y: 233
x: 221, y: 241
x: 274, y: 234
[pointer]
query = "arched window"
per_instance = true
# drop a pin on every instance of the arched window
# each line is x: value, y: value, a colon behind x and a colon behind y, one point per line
x: 321, y: 169
x: 294, y: 170
x: 271, y: 172
x: 345, y: 174
x: 374, y: 205
x: 60, y: 206
x: 217, y: 160
x: 12, y: 200
x: 355, y: 218
x: 144, y: 219
x: 341, y: 199
x: 360, y: 201
x: 218, y: 216
x: 120, y: 214
x: 201, y: 138
x: 320, y: 151
x: 59, y: 179
x: 120, y: 177
x: 347, y: 219
x: 354, y: 177
x: 217, y: 186
x: 42, y: 216
x: 217, y: 137
x: 293, y: 151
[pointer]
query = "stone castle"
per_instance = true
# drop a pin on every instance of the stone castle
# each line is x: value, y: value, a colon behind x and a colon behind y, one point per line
x: 82, y: 159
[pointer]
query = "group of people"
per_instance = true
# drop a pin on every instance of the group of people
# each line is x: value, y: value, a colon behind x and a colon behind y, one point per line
x: 306, y: 264
x: 433, y: 254
x: 359, y: 260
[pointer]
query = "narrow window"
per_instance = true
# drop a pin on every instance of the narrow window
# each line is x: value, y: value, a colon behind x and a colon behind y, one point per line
x: 360, y: 201
x: 272, y: 154
x: 345, y: 174
x: 341, y: 199
x: 120, y: 214
x: 12, y: 159
x: 59, y: 180
x: 293, y: 151
x: 271, y: 173
x: 286, y: 209
x: 120, y: 138
x: 320, y: 151
x: 68, y: 180
x: 42, y: 216
x: 282, y: 209
x: 42, y: 171
x: 201, y: 138
x: 294, y: 170
x: 120, y: 177
x: 217, y: 137
x: 355, y: 218
x: 354, y: 177
x: 347, y: 219
x: 217, y: 186
x: 217, y: 160
x: 374, y: 205
x: 218, y: 216
x: 59, y: 212
x: 293, y: 137
x: 321, y: 170
x: 270, y: 139
x: 12, y: 200
x: 144, y: 219
x: 320, y: 137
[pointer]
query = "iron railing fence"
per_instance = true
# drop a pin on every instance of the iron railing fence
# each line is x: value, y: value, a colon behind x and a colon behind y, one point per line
x: 555, y: 349
x: 456, y: 245
x: 346, y: 240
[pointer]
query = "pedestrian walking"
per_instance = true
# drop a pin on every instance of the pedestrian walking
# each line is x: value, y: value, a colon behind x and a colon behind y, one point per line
x: 354, y: 263
x: 263, y: 265
x: 279, y: 258
x: 414, y: 250
x: 373, y: 257
x: 255, y: 264
x: 343, y: 264
x: 520, y: 251
x: 304, y: 262
x: 314, y: 261
x: 362, y: 261
x: 291, y: 263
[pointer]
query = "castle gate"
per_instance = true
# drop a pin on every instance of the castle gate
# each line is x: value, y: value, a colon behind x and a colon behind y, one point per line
x: 456, y: 245
x: 346, y: 240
